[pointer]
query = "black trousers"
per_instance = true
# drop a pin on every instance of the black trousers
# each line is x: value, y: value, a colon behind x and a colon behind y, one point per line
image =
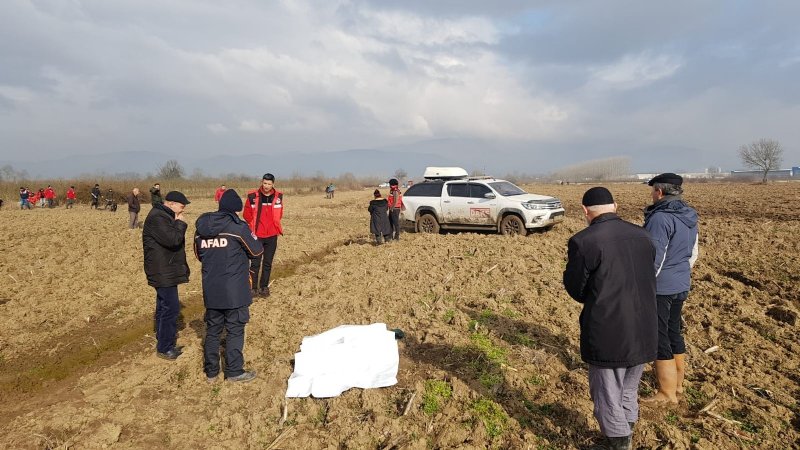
x: 233, y: 321
x: 670, y: 337
x: 394, y: 221
x: 263, y: 264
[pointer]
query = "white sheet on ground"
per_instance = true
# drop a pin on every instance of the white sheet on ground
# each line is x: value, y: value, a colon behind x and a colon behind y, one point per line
x: 362, y: 356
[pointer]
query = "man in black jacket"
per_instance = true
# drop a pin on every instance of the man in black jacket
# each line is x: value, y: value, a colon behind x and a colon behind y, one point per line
x: 163, y: 239
x: 610, y: 271
x: 224, y: 245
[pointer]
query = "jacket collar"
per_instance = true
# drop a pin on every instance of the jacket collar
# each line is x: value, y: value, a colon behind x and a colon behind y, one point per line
x: 165, y: 209
x: 604, y: 218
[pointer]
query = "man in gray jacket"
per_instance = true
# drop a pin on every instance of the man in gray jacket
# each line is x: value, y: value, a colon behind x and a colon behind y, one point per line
x: 673, y: 228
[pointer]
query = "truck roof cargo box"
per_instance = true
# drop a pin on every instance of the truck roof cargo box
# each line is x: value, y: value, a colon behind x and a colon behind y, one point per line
x: 445, y: 173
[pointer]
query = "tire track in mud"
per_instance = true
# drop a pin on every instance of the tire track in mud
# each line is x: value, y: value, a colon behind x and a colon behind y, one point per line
x: 95, y: 348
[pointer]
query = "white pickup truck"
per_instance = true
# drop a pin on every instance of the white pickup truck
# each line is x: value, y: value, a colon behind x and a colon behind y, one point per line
x: 448, y: 199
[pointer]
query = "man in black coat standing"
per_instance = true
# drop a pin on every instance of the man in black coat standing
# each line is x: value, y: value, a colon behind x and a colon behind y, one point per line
x: 610, y: 271
x: 163, y: 239
x: 224, y: 245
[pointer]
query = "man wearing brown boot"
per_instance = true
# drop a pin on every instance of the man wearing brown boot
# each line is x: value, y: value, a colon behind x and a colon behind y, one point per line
x: 673, y: 227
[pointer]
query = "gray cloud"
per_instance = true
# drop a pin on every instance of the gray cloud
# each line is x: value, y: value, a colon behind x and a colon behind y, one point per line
x: 691, y: 80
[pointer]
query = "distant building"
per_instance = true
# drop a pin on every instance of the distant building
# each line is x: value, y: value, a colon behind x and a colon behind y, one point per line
x: 779, y: 174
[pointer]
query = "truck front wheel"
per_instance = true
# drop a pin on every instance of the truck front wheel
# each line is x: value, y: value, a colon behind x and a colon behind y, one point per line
x: 512, y: 225
x: 427, y: 224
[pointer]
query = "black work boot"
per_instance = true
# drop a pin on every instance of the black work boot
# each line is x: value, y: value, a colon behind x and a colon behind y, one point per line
x: 615, y: 443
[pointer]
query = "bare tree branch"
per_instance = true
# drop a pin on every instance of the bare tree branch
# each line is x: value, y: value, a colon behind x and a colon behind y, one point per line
x: 763, y: 154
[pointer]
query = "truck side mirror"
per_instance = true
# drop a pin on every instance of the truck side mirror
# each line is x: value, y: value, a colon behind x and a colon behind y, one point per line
x: 489, y: 195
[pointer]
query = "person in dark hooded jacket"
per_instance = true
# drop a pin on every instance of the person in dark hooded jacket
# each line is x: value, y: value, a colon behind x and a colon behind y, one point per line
x: 379, y: 224
x: 224, y: 245
x: 672, y: 223
x: 163, y: 240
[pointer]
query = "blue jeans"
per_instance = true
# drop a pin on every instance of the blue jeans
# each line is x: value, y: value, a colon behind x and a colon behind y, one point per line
x: 670, y: 339
x: 166, y: 318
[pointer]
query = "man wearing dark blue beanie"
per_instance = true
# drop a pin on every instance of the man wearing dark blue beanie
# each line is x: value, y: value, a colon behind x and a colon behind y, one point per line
x: 224, y: 245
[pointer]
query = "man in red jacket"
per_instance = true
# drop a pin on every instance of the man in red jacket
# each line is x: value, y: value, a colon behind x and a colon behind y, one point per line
x: 263, y: 210
x: 70, y: 197
x: 49, y: 195
x: 218, y: 194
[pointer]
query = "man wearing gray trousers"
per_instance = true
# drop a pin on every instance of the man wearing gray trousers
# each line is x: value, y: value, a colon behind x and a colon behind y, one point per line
x: 610, y: 271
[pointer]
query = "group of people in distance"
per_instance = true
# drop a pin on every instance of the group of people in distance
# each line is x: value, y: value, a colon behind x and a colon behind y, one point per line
x: 236, y: 256
x: 384, y: 213
x: 43, y: 198
x: 632, y: 282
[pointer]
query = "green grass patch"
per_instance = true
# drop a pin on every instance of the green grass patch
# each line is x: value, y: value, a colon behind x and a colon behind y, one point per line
x: 536, y: 380
x: 449, y: 315
x: 490, y: 379
x: 492, y: 416
x: 493, y: 353
x: 437, y: 392
x: 545, y: 409
x: 522, y: 339
x: 510, y: 313
x: 695, y: 397
x: 486, y: 316
x: 671, y: 417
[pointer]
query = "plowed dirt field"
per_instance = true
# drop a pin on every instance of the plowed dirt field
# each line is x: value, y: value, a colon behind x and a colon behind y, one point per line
x: 490, y: 358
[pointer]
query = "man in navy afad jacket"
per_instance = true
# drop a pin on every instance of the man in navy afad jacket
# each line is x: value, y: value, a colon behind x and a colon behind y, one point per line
x: 225, y: 246
x: 609, y: 270
x: 673, y: 227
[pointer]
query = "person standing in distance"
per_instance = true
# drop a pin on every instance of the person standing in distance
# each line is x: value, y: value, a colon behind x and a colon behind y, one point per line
x: 95, y: 196
x: 163, y: 239
x: 395, y: 206
x: 224, y: 245
x: 70, y: 197
x: 218, y: 193
x: 263, y: 211
x: 155, y: 195
x: 672, y: 224
x: 609, y: 271
x: 134, y: 206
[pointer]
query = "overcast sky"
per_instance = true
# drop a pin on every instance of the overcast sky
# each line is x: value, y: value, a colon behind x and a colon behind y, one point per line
x: 563, y: 81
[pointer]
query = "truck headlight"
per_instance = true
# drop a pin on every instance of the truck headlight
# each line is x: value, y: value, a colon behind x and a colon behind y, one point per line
x: 529, y: 205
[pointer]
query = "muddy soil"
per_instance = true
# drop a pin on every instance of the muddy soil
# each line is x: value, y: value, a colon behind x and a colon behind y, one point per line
x: 490, y: 357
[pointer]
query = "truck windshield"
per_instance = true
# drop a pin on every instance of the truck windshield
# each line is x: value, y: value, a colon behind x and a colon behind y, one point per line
x: 506, y: 189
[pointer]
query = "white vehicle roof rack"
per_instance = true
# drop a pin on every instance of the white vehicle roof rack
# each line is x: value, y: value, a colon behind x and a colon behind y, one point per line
x: 445, y: 173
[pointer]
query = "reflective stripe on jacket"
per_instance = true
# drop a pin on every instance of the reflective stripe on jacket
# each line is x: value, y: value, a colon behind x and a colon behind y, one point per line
x: 264, y: 219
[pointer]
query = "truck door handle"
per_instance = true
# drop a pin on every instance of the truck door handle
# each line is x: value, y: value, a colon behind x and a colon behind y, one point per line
x: 445, y: 201
x: 471, y: 203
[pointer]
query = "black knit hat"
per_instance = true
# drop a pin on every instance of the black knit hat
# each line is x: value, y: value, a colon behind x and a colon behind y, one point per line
x: 667, y: 178
x: 393, y: 182
x: 230, y: 201
x: 597, y: 196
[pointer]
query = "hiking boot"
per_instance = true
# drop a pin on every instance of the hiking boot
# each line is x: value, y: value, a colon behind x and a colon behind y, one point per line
x: 171, y: 354
x: 244, y: 377
x: 212, y: 380
x: 615, y: 443
x: 263, y: 292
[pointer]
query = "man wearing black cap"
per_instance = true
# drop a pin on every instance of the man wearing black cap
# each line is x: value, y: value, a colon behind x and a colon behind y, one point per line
x: 609, y: 271
x: 224, y: 245
x: 673, y: 228
x: 163, y: 237
x: 263, y: 211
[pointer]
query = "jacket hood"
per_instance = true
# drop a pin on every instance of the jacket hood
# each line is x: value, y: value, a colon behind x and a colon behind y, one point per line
x: 214, y: 223
x: 673, y: 204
